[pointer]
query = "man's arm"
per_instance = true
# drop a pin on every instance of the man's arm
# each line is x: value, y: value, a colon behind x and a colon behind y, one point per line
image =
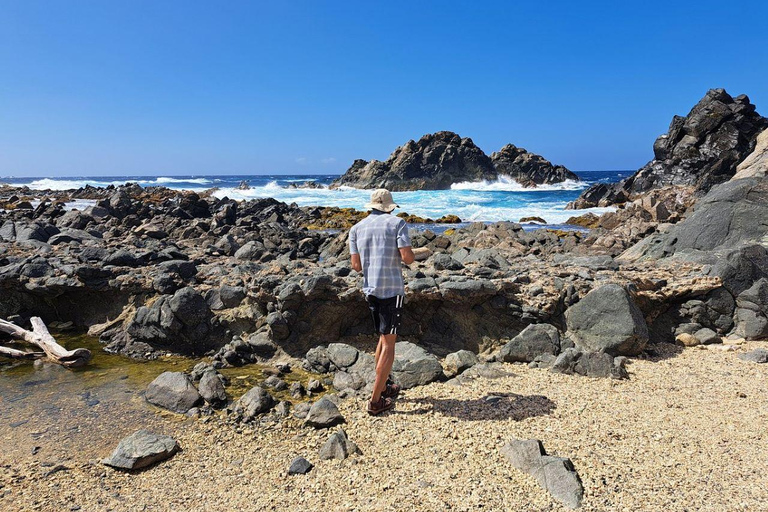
x: 354, y: 254
x: 357, y: 265
x: 404, y: 243
x: 406, y: 254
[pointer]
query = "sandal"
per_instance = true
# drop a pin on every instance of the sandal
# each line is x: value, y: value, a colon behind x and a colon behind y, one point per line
x: 384, y: 404
x: 392, y: 389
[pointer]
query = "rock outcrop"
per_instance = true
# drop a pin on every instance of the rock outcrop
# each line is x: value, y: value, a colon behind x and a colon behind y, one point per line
x: 434, y: 162
x: 700, y: 150
x: 438, y: 160
x: 528, y: 169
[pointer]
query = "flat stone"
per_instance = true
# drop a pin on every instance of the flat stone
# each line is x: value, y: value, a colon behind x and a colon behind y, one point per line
x: 141, y: 449
x: 759, y: 355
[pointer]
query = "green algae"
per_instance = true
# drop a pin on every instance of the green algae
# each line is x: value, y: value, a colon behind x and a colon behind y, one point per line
x: 105, y: 368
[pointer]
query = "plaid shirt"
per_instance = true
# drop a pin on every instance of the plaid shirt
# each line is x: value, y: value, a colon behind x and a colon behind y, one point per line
x: 377, y: 239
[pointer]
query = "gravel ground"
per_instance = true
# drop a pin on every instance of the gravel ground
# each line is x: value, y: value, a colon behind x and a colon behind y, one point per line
x: 687, y: 432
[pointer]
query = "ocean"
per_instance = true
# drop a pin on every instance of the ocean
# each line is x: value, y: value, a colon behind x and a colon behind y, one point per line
x: 503, y: 199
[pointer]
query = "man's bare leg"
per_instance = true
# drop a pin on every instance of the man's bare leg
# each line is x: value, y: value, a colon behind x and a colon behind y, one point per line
x: 384, y: 360
x: 378, y: 351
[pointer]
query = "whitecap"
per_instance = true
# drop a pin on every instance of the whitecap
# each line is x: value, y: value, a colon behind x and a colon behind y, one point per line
x: 508, y: 184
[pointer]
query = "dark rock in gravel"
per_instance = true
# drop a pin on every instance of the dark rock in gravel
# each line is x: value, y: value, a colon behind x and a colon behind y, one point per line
x: 759, y: 355
x: 301, y: 410
x: 141, y: 449
x: 324, y: 414
x: 173, y: 391
x: 607, y: 320
x: 338, y: 446
x: 555, y: 474
x: 533, y: 341
x: 299, y: 466
x: 256, y: 401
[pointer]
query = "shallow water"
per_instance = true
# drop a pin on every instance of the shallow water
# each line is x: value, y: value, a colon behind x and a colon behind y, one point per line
x: 49, y: 411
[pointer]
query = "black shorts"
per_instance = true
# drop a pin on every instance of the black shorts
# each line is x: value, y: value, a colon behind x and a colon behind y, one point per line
x: 386, y: 313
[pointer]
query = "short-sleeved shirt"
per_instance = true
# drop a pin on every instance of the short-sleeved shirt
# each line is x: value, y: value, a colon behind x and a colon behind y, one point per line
x: 377, y: 239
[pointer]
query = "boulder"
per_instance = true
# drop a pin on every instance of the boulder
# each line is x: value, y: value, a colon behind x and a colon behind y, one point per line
x: 324, y: 414
x: 607, y: 320
x: 533, y: 341
x: 211, y: 388
x: 173, y: 391
x: 458, y: 362
x: 256, y: 401
x: 414, y: 366
x: 342, y: 355
x: 141, y: 449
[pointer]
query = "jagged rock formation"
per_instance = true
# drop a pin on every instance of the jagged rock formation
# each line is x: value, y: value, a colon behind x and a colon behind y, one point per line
x: 435, y: 162
x: 529, y: 169
x: 700, y: 150
x: 441, y: 159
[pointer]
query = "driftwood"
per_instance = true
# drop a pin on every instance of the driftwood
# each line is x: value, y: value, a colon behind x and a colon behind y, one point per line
x: 40, y: 337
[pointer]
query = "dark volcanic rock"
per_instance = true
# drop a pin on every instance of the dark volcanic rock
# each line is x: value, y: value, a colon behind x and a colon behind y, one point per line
x: 534, y: 341
x: 414, y: 366
x: 435, y: 162
x: 699, y: 150
x: 441, y: 159
x: 173, y: 391
x: 141, y: 449
x: 529, y: 169
x: 338, y: 446
x: 300, y: 466
x: 324, y: 413
x: 607, y: 320
x: 256, y: 401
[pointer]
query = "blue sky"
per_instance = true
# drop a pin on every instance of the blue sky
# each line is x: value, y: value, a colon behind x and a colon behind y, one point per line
x: 185, y: 87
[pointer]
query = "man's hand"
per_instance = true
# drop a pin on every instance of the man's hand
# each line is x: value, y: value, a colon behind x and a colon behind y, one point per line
x: 406, y: 254
x: 357, y: 265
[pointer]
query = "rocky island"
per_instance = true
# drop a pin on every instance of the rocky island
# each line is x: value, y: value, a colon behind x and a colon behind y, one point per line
x: 605, y: 341
x: 438, y: 160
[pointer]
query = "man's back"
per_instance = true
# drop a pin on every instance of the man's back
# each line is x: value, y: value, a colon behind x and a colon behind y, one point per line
x: 377, y: 239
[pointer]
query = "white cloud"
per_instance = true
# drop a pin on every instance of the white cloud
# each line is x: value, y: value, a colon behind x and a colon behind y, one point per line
x: 329, y: 160
x: 301, y: 160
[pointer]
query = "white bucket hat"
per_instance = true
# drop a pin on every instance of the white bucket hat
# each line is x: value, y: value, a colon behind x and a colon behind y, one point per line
x: 381, y: 199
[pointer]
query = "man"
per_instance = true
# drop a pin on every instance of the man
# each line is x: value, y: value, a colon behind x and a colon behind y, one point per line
x: 377, y: 245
